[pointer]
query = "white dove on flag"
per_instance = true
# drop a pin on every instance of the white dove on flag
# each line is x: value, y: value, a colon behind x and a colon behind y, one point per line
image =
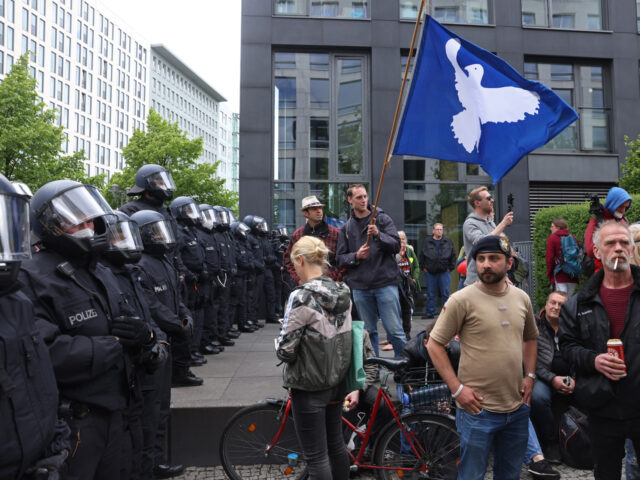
x: 481, y: 104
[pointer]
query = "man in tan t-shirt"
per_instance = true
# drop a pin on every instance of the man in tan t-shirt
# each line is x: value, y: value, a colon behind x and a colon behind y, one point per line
x: 497, y: 335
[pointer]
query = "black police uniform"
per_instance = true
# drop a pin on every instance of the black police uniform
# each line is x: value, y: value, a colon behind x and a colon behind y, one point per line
x: 212, y: 260
x: 224, y: 278
x: 238, y: 299
x: 159, y: 280
x: 139, y: 422
x: 75, y: 302
x: 195, y: 274
x: 31, y: 430
x: 266, y: 281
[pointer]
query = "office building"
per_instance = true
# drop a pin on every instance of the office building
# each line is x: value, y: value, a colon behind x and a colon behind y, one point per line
x: 180, y: 95
x: 88, y: 67
x: 320, y: 80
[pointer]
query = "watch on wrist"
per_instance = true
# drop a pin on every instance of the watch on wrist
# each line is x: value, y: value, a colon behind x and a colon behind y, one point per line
x: 532, y: 375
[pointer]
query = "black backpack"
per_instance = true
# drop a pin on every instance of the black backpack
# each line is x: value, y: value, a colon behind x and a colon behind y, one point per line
x: 575, y: 440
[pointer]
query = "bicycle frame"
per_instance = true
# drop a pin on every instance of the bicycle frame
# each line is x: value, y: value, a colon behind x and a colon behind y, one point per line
x: 381, y: 397
x: 413, y: 443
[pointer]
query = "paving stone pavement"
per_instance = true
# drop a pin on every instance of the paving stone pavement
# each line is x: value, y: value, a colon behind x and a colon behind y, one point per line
x: 217, y: 473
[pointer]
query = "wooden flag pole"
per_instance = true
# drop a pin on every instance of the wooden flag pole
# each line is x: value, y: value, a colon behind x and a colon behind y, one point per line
x: 395, y: 117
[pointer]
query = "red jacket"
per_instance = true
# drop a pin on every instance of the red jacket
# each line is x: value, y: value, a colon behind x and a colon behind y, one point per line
x: 554, y: 252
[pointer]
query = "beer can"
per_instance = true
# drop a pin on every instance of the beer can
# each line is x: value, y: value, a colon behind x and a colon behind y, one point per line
x: 614, y: 347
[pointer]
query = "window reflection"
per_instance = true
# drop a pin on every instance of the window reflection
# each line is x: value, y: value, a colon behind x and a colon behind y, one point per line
x: 569, y: 14
x: 449, y: 11
x: 323, y: 8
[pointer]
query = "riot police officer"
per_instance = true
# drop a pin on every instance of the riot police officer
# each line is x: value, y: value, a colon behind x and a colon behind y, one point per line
x: 264, y: 288
x: 33, y: 439
x: 192, y: 252
x: 228, y: 268
x: 283, y: 282
x: 211, y: 333
x: 124, y: 251
x: 160, y: 283
x: 155, y: 186
x: 245, y: 263
x: 82, y: 320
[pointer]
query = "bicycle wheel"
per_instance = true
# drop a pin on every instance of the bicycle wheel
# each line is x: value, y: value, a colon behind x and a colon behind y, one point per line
x: 435, y: 439
x: 244, y: 442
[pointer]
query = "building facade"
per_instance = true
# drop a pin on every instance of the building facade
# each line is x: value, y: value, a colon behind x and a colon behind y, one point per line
x: 180, y: 95
x: 94, y: 72
x: 320, y: 80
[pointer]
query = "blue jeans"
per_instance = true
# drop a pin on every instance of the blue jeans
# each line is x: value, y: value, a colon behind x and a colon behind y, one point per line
x: 383, y: 303
x: 533, y: 446
x: 541, y: 412
x: 436, y: 282
x: 504, y: 433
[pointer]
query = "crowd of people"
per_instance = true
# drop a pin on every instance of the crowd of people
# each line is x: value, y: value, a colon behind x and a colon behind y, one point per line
x: 106, y: 311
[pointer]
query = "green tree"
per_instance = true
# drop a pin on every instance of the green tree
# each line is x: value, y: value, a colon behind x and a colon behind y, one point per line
x: 164, y: 143
x: 630, y: 179
x: 30, y: 142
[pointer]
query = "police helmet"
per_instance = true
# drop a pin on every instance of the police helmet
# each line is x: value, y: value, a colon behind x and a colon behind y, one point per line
x: 232, y: 216
x: 258, y: 225
x: 186, y: 211
x: 155, y: 180
x: 223, y: 219
x: 125, y: 243
x: 71, y: 218
x: 282, y: 231
x: 155, y: 232
x: 240, y: 230
x: 208, y: 216
x: 15, y: 244
x: 23, y: 189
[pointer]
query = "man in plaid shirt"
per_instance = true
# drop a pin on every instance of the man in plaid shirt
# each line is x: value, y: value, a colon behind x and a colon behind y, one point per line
x: 316, y: 226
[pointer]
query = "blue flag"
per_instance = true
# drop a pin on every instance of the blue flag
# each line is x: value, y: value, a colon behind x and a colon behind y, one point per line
x: 467, y: 105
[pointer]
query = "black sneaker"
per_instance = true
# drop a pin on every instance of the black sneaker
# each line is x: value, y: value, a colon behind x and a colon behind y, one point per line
x: 542, y: 469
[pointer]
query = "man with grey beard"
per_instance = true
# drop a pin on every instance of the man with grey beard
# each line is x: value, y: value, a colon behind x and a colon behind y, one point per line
x: 607, y: 307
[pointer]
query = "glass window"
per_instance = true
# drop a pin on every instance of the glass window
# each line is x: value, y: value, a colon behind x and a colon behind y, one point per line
x: 9, y: 38
x: 319, y: 93
x: 1, y: 62
x: 1, y: 33
x: 582, y: 87
x: 285, y: 91
x: 449, y: 11
x: 323, y: 8
x: 569, y: 14
x: 319, y: 132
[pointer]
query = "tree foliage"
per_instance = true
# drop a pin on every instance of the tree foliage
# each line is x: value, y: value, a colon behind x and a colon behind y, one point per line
x: 630, y: 179
x: 164, y: 143
x: 30, y: 142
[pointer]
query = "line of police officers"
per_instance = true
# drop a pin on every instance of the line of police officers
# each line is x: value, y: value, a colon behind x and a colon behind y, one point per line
x: 109, y: 313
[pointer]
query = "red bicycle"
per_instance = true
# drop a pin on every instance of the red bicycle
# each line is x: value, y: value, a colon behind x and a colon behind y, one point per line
x: 418, y: 442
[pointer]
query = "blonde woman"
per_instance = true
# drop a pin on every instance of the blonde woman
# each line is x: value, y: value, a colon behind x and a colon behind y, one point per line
x: 315, y: 343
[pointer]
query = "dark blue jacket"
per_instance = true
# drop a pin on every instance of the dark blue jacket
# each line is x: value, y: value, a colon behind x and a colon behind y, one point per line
x: 378, y: 270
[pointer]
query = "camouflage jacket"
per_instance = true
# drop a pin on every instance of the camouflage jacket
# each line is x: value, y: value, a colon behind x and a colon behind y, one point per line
x: 315, y: 342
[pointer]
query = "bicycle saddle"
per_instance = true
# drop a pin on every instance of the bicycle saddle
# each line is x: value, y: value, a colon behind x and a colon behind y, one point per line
x: 392, y: 364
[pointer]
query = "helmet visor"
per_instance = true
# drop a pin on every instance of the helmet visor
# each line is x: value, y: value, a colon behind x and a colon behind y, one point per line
x: 124, y: 236
x: 190, y: 210
x: 208, y: 218
x: 232, y: 217
x: 15, y: 244
x: 243, y: 229
x: 22, y: 189
x: 161, y: 181
x: 282, y: 231
x: 159, y: 233
x: 263, y: 227
x: 73, y: 207
x: 222, y: 216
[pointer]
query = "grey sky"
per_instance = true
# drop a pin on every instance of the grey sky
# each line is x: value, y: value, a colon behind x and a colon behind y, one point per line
x: 204, y: 34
